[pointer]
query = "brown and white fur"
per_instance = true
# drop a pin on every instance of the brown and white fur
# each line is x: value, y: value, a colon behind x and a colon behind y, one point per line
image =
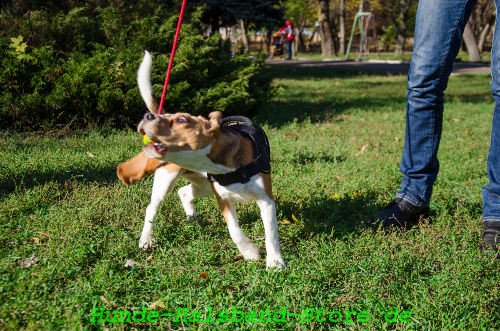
x: 192, y: 146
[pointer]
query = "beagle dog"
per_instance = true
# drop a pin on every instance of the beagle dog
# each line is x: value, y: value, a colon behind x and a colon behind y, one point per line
x: 227, y: 157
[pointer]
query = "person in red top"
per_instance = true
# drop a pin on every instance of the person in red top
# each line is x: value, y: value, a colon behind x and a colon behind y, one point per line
x: 288, y: 32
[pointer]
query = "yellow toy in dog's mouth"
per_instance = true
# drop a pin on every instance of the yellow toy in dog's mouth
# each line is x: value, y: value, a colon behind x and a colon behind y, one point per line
x: 146, y: 140
x: 154, y: 149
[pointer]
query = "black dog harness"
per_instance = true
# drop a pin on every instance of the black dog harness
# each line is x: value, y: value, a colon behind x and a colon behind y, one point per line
x: 261, y: 149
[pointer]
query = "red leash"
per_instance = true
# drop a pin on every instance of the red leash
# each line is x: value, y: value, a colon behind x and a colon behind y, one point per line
x: 172, y: 55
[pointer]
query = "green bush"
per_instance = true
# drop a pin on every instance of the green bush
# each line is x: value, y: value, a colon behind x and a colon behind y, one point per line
x: 78, y: 68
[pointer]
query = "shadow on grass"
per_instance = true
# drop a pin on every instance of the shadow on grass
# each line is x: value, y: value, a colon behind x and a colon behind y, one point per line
x: 335, y: 216
x: 104, y: 175
x: 470, y: 98
x: 319, y: 106
x: 316, y: 72
x: 280, y: 113
x: 301, y: 158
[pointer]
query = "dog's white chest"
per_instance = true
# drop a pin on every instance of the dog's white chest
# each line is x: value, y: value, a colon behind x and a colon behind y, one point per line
x: 252, y: 190
x: 197, y: 161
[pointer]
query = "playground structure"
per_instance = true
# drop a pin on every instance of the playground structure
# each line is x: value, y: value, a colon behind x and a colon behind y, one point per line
x: 362, y: 20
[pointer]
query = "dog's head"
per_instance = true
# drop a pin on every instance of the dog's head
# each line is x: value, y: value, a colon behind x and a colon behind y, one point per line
x: 178, y: 132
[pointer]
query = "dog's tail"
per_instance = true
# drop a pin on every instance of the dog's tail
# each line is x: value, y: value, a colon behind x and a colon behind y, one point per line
x: 144, y: 82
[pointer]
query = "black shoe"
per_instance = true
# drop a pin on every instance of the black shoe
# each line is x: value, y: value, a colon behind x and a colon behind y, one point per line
x: 400, y: 213
x: 491, y: 235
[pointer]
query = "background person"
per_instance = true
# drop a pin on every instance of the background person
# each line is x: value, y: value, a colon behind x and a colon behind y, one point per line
x: 288, y: 32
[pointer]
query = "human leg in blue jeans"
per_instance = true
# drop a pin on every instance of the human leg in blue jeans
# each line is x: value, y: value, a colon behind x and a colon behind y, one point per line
x: 289, y: 49
x: 438, y: 32
x: 491, y: 191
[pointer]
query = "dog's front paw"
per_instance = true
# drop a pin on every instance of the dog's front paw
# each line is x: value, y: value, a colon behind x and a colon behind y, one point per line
x: 250, y: 251
x: 146, y: 242
x: 275, y: 262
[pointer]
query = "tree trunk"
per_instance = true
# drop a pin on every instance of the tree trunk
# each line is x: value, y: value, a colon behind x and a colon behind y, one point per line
x: 482, y: 37
x: 301, y: 47
x: 342, y: 26
x: 325, y: 29
x: 485, y: 32
x: 335, y: 35
x: 244, y: 35
x: 470, y: 43
x: 269, y: 40
x: 401, y: 26
x: 215, y: 25
x: 308, y: 45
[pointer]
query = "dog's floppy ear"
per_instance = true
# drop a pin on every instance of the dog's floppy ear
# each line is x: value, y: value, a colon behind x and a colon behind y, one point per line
x: 213, y: 123
x: 136, y: 168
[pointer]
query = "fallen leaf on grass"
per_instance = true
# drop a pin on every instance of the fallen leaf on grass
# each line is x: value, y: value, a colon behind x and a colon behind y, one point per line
x: 130, y: 263
x: 336, y: 196
x: 40, y: 239
x: 28, y: 262
x: 107, y: 302
x: 362, y: 150
x: 157, y: 304
x: 288, y: 222
x: 103, y: 299
x: 345, y: 298
x: 143, y: 263
x: 203, y: 275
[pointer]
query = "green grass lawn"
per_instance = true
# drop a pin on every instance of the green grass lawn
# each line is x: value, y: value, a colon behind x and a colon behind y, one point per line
x: 336, y: 140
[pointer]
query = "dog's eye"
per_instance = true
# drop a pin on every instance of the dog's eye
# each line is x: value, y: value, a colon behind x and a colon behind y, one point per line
x: 181, y: 119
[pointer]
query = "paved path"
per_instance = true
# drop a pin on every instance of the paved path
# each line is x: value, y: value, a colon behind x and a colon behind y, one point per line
x: 376, y: 66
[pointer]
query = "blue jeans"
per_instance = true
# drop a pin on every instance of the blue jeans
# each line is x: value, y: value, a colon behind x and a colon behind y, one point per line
x: 438, y: 33
x: 289, y: 49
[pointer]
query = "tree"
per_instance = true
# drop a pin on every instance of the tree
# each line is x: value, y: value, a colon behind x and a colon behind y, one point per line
x: 244, y: 34
x: 77, y: 66
x: 470, y: 43
x: 325, y: 29
x: 247, y: 14
x: 478, y: 28
x: 394, y: 19
x: 404, y: 10
x: 341, y: 21
x: 486, y: 31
